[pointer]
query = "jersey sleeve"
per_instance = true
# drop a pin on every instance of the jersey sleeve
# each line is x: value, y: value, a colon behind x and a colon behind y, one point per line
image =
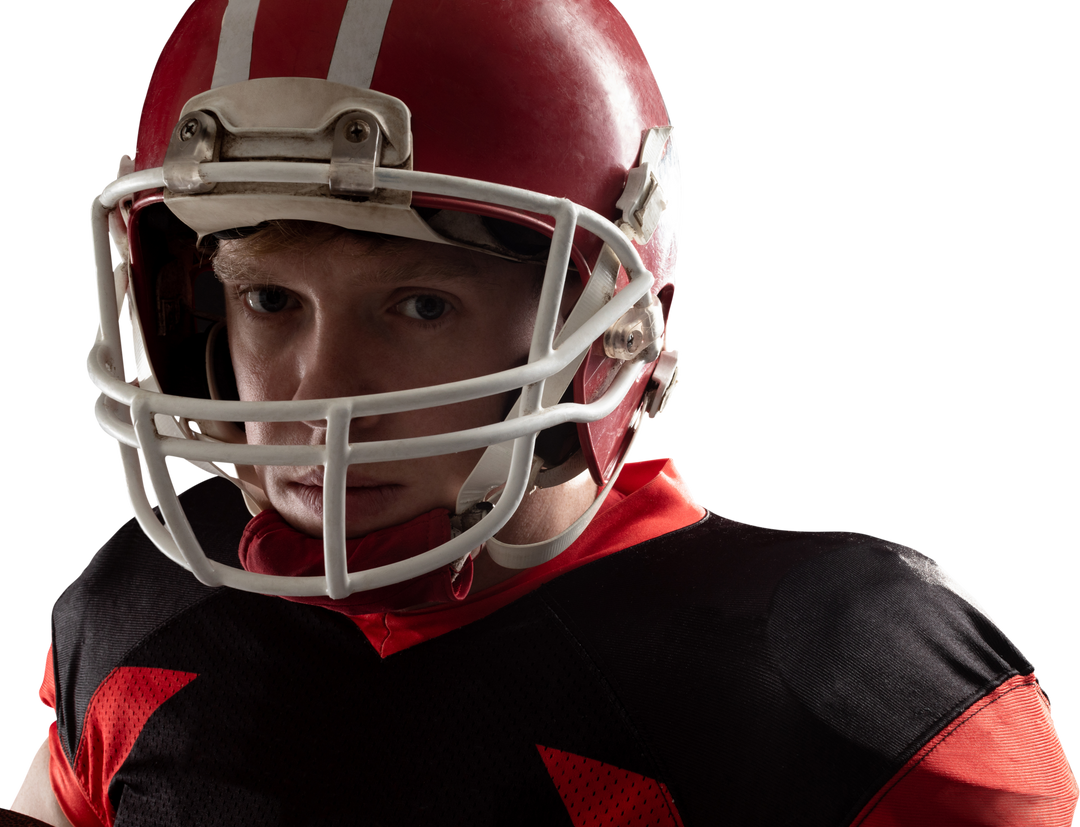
x: 998, y: 763
x: 72, y: 796
x: 881, y: 644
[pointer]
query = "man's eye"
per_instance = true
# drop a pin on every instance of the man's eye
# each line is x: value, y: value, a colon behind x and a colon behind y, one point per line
x: 424, y: 308
x: 267, y: 299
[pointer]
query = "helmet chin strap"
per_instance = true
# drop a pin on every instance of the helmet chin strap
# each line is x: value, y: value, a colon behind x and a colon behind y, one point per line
x: 490, y: 473
x: 487, y: 478
x: 526, y: 556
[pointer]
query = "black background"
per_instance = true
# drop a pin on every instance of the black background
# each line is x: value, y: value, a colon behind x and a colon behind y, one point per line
x: 860, y: 317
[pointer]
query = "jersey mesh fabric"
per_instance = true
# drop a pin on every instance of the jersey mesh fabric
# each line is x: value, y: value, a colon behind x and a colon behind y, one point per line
x: 597, y: 794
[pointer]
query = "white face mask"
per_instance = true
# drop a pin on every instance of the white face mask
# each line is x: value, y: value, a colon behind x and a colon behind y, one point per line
x: 627, y: 321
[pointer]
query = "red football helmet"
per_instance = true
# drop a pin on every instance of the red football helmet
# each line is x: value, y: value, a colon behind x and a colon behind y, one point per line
x: 476, y: 123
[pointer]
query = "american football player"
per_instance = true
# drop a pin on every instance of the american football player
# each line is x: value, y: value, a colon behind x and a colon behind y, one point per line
x: 398, y: 275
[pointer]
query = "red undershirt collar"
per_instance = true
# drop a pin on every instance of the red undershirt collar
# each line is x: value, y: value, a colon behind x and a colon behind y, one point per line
x: 649, y: 499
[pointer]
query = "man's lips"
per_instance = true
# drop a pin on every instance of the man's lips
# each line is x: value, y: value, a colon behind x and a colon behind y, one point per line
x: 367, y: 497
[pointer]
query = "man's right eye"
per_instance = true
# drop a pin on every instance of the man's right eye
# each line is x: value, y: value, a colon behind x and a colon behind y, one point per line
x: 266, y: 299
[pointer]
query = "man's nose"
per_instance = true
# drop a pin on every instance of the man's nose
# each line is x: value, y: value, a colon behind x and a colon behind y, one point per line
x: 335, y: 360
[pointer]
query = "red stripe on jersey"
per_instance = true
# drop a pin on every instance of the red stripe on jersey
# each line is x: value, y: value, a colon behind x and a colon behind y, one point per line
x: 999, y: 763
x: 295, y: 39
x: 598, y: 794
x: 114, y: 719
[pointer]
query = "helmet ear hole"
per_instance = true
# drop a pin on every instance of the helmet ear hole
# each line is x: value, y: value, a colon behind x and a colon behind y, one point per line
x: 185, y: 365
x: 557, y: 444
x: 200, y: 366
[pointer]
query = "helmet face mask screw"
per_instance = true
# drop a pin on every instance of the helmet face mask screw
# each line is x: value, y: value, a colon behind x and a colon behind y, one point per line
x: 356, y: 132
x: 189, y: 129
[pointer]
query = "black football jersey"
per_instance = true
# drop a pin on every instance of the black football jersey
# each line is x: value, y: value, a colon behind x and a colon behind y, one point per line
x: 721, y: 673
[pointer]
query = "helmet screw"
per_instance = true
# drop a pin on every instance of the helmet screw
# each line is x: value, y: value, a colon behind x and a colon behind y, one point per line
x: 356, y: 132
x: 189, y: 129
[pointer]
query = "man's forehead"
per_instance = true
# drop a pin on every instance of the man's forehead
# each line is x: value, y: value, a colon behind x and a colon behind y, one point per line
x: 395, y: 262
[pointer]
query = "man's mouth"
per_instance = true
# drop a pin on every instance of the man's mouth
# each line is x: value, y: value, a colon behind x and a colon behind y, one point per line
x: 363, y: 495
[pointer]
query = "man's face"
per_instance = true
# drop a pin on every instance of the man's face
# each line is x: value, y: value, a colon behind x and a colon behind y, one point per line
x: 340, y: 315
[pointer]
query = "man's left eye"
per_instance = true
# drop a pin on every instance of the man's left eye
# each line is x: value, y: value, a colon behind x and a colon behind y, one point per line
x: 267, y: 300
x: 424, y: 308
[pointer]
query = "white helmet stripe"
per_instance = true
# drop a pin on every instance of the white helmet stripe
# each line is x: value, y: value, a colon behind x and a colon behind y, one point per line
x: 355, y: 51
x: 358, y: 42
x: 234, y: 46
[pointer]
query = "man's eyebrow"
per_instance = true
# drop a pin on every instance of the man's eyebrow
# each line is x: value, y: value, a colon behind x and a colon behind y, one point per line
x: 231, y: 269
x: 432, y: 272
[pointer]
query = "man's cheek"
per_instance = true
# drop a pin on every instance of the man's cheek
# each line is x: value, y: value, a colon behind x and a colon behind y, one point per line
x: 258, y: 381
x: 266, y: 433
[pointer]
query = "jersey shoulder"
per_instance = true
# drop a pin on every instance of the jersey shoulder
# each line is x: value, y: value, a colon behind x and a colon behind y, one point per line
x: 809, y: 593
x: 733, y: 646
x: 129, y: 590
